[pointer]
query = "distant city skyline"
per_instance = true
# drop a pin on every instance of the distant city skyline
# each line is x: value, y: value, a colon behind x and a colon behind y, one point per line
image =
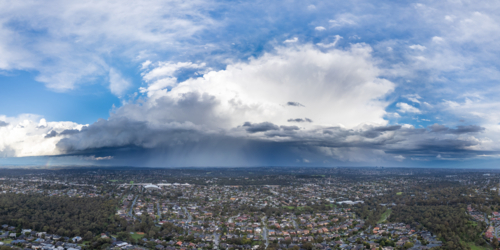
x: 250, y: 83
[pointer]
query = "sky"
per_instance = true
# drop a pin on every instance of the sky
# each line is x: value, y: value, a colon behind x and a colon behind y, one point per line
x: 172, y: 83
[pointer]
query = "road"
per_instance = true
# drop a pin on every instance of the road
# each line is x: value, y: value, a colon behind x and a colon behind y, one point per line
x: 132, y: 208
x: 265, y: 231
x: 496, y: 233
x: 294, y: 221
x: 158, y: 208
x: 190, y: 218
x: 231, y: 219
x: 216, y: 240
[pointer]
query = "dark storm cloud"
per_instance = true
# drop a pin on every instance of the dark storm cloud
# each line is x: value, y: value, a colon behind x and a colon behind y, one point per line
x: 387, y: 128
x: 260, y: 127
x: 70, y: 131
x: 124, y: 132
x: 406, y: 142
x: 285, y: 131
x: 299, y: 120
x: 375, y: 132
x: 459, y: 130
x: 3, y: 124
x: 51, y: 134
x: 467, y: 129
x: 295, y: 104
x: 185, y: 142
x: 139, y: 143
x: 289, y: 128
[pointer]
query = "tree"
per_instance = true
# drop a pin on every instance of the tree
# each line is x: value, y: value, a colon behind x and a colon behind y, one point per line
x: 122, y: 235
x: 494, y: 242
x: 152, y: 234
x: 87, y: 236
x: 408, y: 245
x: 308, y: 246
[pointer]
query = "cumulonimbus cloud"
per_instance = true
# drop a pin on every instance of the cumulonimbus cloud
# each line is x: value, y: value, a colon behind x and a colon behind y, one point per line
x: 240, y: 110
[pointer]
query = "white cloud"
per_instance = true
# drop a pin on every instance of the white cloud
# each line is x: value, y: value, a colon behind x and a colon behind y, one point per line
x: 399, y: 158
x: 311, y: 7
x: 93, y: 158
x: 393, y: 115
x: 479, y: 28
x: 320, y: 28
x: 417, y: 47
x: 145, y: 64
x: 336, y: 87
x: 163, y: 75
x: 427, y: 105
x: 117, y: 84
x: 167, y: 69
x: 68, y: 42
x: 413, y: 98
x: 343, y: 80
x: 344, y: 20
x: 293, y: 40
x: 27, y: 135
x: 449, y: 18
x: 406, y: 108
x: 437, y: 39
x: 330, y: 45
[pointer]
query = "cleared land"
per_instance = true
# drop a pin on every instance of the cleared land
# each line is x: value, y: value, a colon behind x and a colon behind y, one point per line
x: 474, y: 247
x: 384, y: 216
x: 137, y: 236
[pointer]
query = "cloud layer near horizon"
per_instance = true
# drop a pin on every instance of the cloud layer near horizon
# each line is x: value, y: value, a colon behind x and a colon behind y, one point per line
x: 224, y: 116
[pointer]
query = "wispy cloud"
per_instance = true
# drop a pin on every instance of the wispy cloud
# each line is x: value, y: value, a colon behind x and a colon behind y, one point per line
x: 68, y: 43
x: 292, y: 40
x: 346, y: 19
x: 407, y: 108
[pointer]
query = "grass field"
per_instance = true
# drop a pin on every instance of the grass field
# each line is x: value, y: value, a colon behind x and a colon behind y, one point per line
x: 138, y: 236
x: 399, y: 193
x: 384, y: 216
x: 293, y: 208
x: 84, y: 243
x: 474, y: 247
x: 113, y: 180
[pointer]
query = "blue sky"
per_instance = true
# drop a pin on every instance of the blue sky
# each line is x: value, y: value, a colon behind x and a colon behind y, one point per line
x: 250, y: 83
